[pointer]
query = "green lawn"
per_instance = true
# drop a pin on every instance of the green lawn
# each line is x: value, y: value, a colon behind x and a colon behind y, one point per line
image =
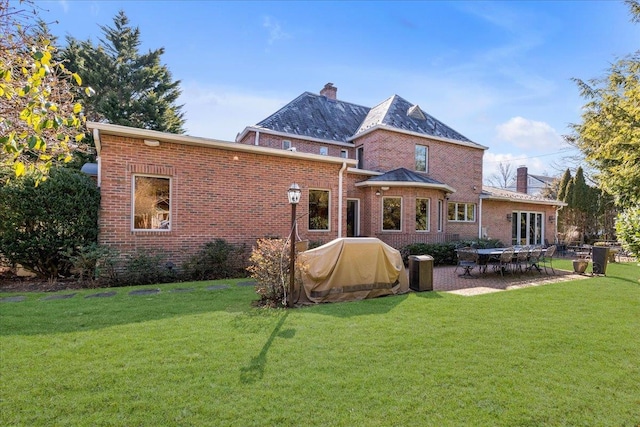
x: 565, y: 354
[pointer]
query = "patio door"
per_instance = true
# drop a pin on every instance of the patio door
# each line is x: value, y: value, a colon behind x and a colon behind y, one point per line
x: 353, y: 217
x: 526, y: 228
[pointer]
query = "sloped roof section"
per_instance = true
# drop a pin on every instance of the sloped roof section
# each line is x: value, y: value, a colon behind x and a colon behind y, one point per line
x: 317, y: 116
x: 495, y: 193
x: 397, y: 112
x: 405, y: 176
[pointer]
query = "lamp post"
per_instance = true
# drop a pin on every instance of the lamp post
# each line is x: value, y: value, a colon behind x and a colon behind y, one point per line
x: 293, y: 193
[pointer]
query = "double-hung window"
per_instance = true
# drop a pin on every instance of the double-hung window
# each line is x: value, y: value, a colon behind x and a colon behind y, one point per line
x: 422, y: 214
x: 422, y: 158
x: 319, y: 210
x: 151, y: 203
x: 392, y: 213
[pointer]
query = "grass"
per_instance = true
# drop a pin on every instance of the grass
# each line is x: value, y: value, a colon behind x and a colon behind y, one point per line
x: 564, y: 354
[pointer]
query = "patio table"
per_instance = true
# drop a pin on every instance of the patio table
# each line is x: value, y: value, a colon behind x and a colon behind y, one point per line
x: 486, y: 256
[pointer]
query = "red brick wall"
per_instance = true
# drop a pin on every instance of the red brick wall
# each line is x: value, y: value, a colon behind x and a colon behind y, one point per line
x: 494, y: 219
x: 215, y: 193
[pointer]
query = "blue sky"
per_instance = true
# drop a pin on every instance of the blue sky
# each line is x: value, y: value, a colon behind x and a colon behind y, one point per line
x: 497, y: 72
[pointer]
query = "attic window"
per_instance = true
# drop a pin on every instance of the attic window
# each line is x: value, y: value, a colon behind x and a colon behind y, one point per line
x: 416, y: 113
x: 286, y: 144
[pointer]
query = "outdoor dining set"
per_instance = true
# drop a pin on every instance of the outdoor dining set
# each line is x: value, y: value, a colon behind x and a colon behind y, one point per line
x: 514, y: 259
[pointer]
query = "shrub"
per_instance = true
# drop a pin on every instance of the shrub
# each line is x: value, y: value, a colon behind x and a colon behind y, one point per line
x: 145, y: 268
x: 41, y: 225
x: 269, y: 266
x: 216, y: 260
x: 93, y: 262
x: 445, y: 253
x: 628, y: 229
x: 442, y: 253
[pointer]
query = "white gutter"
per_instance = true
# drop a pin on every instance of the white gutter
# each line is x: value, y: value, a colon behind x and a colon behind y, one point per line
x: 126, y: 131
x: 419, y: 135
x: 257, y: 140
x: 342, y: 169
x: 443, y: 187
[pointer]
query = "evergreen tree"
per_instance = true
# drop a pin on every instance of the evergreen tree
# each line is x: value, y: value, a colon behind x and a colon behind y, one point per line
x: 562, y: 186
x: 131, y: 89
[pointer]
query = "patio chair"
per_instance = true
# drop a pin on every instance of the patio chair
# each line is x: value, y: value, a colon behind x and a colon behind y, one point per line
x: 534, y: 259
x: 522, y: 258
x: 468, y: 260
x: 547, y: 259
x: 505, y: 263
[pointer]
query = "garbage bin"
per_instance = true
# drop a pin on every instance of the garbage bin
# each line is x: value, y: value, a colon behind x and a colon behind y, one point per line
x: 600, y: 258
x: 421, y: 272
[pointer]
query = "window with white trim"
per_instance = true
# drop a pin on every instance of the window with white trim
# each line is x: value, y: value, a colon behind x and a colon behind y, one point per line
x: 392, y: 213
x: 440, y: 215
x: 462, y: 212
x: 422, y: 158
x: 286, y: 144
x: 324, y: 151
x: 151, y: 203
x: 422, y: 214
x: 344, y: 154
x: 319, y: 210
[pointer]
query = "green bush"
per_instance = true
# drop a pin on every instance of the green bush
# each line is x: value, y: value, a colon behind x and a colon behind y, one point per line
x: 145, y: 268
x: 93, y: 262
x: 216, y: 260
x: 628, y: 229
x: 445, y: 253
x: 41, y: 225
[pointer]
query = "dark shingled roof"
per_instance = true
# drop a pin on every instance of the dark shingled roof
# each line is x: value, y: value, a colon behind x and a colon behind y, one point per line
x: 404, y: 175
x: 397, y: 112
x: 316, y: 116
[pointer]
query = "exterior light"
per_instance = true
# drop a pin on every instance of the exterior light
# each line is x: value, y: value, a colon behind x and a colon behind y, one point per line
x: 551, y: 218
x: 152, y: 142
x: 509, y: 217
x: 378, y: 192
x: 293, y: 193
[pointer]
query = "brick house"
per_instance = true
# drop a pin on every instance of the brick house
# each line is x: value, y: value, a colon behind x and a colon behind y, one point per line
x: 391, y: 171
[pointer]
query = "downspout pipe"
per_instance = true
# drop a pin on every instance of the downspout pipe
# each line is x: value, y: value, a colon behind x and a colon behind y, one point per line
x: 480, y: 218
x: 340, y: 197
x: 98, y: 144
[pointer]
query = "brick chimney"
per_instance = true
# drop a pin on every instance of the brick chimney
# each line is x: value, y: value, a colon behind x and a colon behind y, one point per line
x: 522, y: 179
x: 330, y: 91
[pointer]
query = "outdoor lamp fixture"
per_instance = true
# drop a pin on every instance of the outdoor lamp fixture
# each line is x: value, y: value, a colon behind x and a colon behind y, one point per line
x: 551, y: 218
x: 152, y: 142
x: 293, y: 194
x: 378, y: 192
x: 509, y: 217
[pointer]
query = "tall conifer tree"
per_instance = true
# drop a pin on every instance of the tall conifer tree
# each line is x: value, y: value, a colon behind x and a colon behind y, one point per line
x: 131, y: 88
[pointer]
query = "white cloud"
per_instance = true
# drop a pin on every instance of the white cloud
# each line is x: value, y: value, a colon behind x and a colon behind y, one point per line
x: 222, y: 112
x: 525, y: 134
x: 276, y: 33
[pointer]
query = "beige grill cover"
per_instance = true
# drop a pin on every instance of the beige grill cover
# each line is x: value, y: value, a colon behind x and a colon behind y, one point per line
x: 350, y: 269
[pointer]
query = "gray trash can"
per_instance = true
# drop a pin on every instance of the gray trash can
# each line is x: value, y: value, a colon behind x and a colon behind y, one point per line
x: 600, y: 258
x: 421, y: 272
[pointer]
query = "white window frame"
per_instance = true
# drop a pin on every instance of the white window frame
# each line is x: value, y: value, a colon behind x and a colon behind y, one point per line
x: 466, y: 212
x: 426, y: 158
x: 320, y: 230
x: 440, y: 215
x: 382, y: 213
x: 428, y: 222
x: 324, y: 151
x: 286, y: 144
x: 344, y: 154
x: 133, y: 203
x: 356, y: 232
